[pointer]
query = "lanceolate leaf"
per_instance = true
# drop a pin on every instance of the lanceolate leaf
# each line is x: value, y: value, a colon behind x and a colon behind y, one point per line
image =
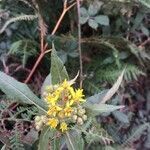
x: 97, y: 109
x: 19, y: 91
x: 96, y: 98
x: 74, y: 141
x: 58, y: 70
x: 120, y: 116
x: 44, y: 141
x: 56, y: 144
x: 47, y: 82
x: 114, y: 89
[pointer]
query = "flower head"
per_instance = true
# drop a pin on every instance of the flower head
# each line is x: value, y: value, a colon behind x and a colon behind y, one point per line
x: 78, y: 96
x: 63, y: 126
x: 53, y: 110
x: 62, y: 99
x: 53, y: 122
x: 68, y: 111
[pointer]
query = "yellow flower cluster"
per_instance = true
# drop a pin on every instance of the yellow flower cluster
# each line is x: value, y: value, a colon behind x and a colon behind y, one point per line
x: 62, y: 99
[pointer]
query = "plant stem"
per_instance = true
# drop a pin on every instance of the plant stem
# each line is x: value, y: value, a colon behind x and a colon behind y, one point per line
x: 79, y: 44
x: 144, y: 43
x: 62, y: 16
x: 44, y: 47
x: 34, y: 67
x: 58, y: 23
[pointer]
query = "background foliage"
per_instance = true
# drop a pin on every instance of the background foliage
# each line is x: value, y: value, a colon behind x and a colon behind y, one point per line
x: 115, y: 35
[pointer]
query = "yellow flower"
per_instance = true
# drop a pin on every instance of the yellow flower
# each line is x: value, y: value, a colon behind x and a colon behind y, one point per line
x: 78, y: 96
x: 51, y: 99
x: 53, y: 122
x: 68, y: 111
x: 63, y: 126
x: 62, y: 99
x: 53, y: 110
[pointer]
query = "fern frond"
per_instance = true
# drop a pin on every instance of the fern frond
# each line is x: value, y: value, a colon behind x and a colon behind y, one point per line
x: 91, y: 87
x: 16, y: 142
x: 136, y: 134
x: 26, y: 112
x: 111, y: 73
x: 23, y: 48
x: 97, y: 134
x: 19, y: 18
x: 94, y: 138
x: 27, y: 3
x: 88, y: 124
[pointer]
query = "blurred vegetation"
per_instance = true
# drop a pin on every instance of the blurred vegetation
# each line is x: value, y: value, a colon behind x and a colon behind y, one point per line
x: 115, y: 35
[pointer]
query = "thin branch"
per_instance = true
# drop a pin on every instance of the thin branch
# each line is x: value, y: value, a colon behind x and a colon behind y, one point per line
x: 65, y: 9
x: 79, y: 44
x: 144, y: 43
x: 15, y: 119
x: 44, y: 47
x: 34, y: 67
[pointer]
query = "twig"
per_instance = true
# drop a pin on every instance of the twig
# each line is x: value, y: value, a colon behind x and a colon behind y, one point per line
x: 6, y: 68
x: 34, y: 67
x: 16, y: 120
x: 65, y: 9
x: 79, y: 44
x: 44, y: 47
x: 144, y: 43
x: 5, y: 140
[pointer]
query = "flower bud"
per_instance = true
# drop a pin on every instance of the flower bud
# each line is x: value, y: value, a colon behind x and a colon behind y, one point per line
x: 49, y: 89
x: 38, y: 125
x: 74, y: 117
x: 79, y: 121
x: 84, y: 117
x: 55, y: 87
x: 44, y: 119
x: 37, y: 118
x: 75, y: 111
x: 81, y: 112
x: 61, y: 115
x: 45, y: 94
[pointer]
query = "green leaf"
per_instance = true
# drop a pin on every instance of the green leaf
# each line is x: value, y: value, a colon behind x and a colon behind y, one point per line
x: 145, y: 3
x: 58, y: 70
x: 102, y: 20
x: 83, y: 20
x: 114, y: 88
x: 145, y: 30
x: 93, y: 24
x: 96, y: 98
x: 83, y: 15
x: 120, y: 116
x: 47, y: 82
x: 137, y: 21
x: 19, y: 91
x: 109, y: 148
x: 74, y: 141
x: 56, y: 143
x: 4, y: 147
x: 96, y: 109
x: 44, y: 139
x: 94, y: 7
x: 24, y: 49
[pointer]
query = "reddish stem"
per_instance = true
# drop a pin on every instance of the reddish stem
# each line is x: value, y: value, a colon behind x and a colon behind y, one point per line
x: 34, y: 67
x: 44, y: 47
x: 58, y: 23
